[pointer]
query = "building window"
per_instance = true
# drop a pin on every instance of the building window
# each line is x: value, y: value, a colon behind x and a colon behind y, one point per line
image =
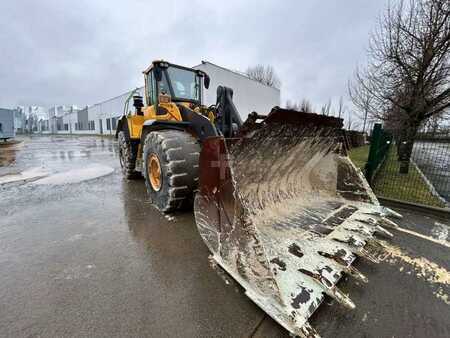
x: 108, y: 124
x: 66, y: 126
x: 114, y: 124
x: 91, y: 125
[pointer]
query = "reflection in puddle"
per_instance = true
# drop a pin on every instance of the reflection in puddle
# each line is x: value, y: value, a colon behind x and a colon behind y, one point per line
x: 77, y: 175
x: 24, y: 176
x: 8, y: 153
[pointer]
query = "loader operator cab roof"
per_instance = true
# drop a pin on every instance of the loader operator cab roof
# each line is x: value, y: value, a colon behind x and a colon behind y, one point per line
x: 182, y: 84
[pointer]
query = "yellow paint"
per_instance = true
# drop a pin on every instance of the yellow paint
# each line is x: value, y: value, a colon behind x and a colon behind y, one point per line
x: 173, y: 113
x: 428, y: 270
x: 211, y: 116
x: 154, y: 168
x: 135, y: 122
x: 135, y: 125
x: 423, y: 268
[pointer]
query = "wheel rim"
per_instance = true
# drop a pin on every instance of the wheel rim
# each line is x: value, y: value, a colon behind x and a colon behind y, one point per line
x: 154, y: 172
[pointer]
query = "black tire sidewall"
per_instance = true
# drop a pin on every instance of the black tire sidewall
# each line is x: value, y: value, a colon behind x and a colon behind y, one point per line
x: 160, y: 197
x: 122, y: 151
x: 126, y: 157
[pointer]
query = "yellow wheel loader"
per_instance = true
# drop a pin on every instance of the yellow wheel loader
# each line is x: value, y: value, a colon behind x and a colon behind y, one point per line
x: 277, y: 201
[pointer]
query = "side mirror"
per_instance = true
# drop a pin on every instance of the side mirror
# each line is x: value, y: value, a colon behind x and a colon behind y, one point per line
x: 206, y: 81
x: 158, y: 74
x: 138, y: 104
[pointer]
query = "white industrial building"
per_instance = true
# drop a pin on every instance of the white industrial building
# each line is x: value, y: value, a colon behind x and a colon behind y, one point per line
x: 7, y: 129
x: 248, y: 95
x: 101, y: 118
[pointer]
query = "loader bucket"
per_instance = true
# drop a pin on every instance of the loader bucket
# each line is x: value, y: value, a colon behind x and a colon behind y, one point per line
x: 285, y: 212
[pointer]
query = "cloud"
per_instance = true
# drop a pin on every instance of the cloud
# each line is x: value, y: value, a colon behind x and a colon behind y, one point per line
x: 81, y: 52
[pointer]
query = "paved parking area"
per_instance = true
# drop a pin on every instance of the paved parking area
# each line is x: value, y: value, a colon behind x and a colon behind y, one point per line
x: 93, y: 258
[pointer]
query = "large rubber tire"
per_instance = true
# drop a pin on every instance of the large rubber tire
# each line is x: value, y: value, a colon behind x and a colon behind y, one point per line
x: 127, y: 156
x: 178, y: 155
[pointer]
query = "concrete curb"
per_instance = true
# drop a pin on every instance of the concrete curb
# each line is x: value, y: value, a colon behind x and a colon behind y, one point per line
x: 390, y: 202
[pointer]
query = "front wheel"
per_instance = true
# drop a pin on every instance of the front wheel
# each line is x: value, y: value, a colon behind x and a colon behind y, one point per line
x: 127, y: 156
x: 171, y: 168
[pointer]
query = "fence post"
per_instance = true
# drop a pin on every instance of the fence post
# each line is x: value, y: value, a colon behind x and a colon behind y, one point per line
x: 371, y: 164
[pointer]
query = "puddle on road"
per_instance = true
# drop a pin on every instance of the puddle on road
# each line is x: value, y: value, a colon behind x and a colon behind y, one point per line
x: 76, y: 175
x: 423, y: 268
x: 24, y: 176
x: 40, y: 176
x: 8, y: 153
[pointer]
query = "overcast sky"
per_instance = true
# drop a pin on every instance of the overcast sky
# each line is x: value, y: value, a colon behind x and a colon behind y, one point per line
x: 84, y: 51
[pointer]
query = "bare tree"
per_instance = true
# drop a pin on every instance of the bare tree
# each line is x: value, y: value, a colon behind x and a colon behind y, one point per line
x: 292, y: 105
x: 362, y: 101
x: 435, y: 123
x: 407, y: 77
x: 326, y: 108
x: 304, y: 106
x: 341, y: 107
x: 349, y: 122
x: 264, y: 74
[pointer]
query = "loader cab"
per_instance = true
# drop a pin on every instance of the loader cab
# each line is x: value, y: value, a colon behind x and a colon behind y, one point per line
x: 171, y: 93
x: 166, y: 82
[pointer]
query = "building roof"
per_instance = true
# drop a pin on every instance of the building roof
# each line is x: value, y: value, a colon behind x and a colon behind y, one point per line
x: 234, y: 72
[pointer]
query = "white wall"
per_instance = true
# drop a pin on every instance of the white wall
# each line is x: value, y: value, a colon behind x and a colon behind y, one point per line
x: 70, y: 119
x: 7, y: 122
x: 248, y: 95
x: 112, y: 108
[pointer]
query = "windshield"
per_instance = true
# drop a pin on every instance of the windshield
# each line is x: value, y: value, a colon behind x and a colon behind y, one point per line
x: 185, y: 83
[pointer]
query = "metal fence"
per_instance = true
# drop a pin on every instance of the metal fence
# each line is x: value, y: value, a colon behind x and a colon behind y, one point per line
x: 427, y: 181
x: 379, y: 148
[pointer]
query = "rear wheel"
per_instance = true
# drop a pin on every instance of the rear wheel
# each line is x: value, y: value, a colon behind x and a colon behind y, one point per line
x: 127, y: 156
x: 171, y: 168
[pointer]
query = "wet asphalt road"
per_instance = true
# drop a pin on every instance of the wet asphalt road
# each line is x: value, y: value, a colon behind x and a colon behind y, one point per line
x: 95, y: 259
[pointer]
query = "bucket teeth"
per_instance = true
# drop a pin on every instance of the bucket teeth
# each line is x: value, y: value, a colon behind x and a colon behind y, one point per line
x: 392, y: 213
x: 367, y: 255
x: 348, y: 269
x: 307, y: 331
x: 374, y: 251
x: 382, y: 212
x: 383, y: 231
x: 373, y: 244
x: 366, y: 220
x: 360, y: 230
x: 330, y: 289
x: 378, y: 229
x: 352, y: 271
x: 340, y: 297
x: 388, y: 223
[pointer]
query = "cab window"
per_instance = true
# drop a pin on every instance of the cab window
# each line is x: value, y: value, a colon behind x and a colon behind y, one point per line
x: 163, y: 85
x: 151, y: 92
x: 185, y: 83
